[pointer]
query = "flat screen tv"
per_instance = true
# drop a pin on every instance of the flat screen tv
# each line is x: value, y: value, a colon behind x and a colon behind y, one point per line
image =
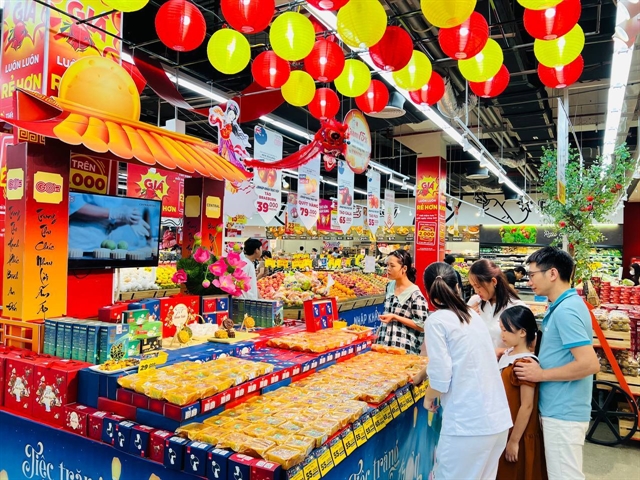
x: 112, y: 232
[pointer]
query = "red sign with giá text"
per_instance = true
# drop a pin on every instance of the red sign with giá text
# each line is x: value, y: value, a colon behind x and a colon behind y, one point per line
x: 157, y: 184
x: 431, y: 208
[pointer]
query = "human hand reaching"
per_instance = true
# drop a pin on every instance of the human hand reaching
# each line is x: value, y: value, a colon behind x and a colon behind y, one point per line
x: 125, y: 215
x: 141, y: 229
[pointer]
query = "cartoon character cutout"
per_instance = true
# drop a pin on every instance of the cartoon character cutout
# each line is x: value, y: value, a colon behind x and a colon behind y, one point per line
x: 74, y: 421
x: 49, y: 398
x: 19, y: 389
x: 232, y: 141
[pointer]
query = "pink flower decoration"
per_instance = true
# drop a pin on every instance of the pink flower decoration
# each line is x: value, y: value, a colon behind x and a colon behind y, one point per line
x: 206, y: 284
x: 202, y: 255
x: 179, y: 277
x: 226, y: 284
x: 218, y: 268
x: 235, y: 261
x: 240, y: 276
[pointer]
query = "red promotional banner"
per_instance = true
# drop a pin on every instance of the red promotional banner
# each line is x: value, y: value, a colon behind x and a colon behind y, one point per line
x: 70, y: 41
x: 431, y: 209
x: 24, y: 29
x: 324, y: 219
x: 93, y: 174
x: 157, y: 184
x: 6, y: 139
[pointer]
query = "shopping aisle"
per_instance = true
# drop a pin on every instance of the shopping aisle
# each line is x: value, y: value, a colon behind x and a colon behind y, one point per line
x: 612, y: 463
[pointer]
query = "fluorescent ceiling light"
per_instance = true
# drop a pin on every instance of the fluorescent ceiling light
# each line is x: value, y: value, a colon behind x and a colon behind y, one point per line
x: 396, y: 182
x: 194, y: 86
x: 620, y: 67
x: 361, y: 192
x: 286, y: 127
x: 330, y: 182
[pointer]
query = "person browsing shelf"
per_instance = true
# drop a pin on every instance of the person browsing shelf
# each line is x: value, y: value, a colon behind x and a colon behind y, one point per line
x: 405, y: 308
x: 251, y: 252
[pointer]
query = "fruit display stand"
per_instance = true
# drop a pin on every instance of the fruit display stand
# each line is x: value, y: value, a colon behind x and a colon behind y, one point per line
x: 395, y: 436
x: 614, y: 417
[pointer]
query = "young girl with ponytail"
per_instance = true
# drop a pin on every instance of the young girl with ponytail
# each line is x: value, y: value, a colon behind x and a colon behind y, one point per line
x: 463, y: 373
x: 523, y: 458
x: 405, y: 308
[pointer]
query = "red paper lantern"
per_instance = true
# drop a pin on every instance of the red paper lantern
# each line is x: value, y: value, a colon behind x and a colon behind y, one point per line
x: 431, y: 93
x: 269, y: 70
x: 374, y: 99
x: 325, y: 62
x: 180, y: 25
x: 467, y: 39
x: 325, y: 104
x: 320, y: 29
x: 393, y: 51
x: 328, y: 4
x: 553, y: 22
x: 492, y: 87
x: 248, y: 16
x: 561, y: 77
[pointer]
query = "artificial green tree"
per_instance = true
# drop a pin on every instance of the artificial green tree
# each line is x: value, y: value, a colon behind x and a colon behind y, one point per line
x: 592, y: 195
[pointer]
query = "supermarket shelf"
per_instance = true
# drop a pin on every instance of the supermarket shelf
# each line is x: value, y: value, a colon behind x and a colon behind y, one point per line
x: 634, y: 382
x: 163, y: 292
x: 617, y: 340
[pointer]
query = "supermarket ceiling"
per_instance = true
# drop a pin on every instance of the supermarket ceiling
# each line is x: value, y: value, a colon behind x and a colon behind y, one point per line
x: 514, y: 127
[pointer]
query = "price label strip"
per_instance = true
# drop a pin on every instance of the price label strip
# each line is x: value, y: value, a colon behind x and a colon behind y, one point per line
x: 312, y: 470
x: 349, y: 442
x: 419, y: 391
x: 295, y: 473
x: 325, y: 460
x: 386, y: 415
x: 152, y: 362
x: 379, y: 419
x: 405, y: 400
x: 338, y: 453
x: 394, y: 408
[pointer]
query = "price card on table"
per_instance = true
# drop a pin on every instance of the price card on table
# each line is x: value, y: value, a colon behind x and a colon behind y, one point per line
x: 419, y: 390
x: 311, y: 469
x: 394, y: 408
x: 360, y: 434
x: 349, y: 440
x: 270, y: 263
x: 386, y: 415
x: 379, y: 418
x: 369, y: 427
x: 309, y: 192
x: 325, y: 460
x: 296, y: 473
x: 405, y: 400
x: 283, y: 263
x: 338, y: 453
x: 151, y: 362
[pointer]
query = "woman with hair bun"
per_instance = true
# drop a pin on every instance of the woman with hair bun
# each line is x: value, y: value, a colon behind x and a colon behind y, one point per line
x: 463, y: 374
x: 405, y: 308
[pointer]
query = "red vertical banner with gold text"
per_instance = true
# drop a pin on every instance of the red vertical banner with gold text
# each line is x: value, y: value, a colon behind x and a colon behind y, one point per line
x: 157, y: 184
x: 431, y: 209
x: 70, y: 41
x: 24, y: 40
x: 203, y: 208
x: 37, y: 219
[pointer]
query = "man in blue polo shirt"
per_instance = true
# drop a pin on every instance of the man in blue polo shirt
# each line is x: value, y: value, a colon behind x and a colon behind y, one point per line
x: 567, y: 364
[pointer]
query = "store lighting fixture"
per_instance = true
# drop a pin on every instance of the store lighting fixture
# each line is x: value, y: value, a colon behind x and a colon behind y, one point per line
x: 620, y: 67
x: 396, y: 181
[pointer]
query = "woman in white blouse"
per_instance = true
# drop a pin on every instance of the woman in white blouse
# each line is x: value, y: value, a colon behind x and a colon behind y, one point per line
x: 463, y: 373
x: 493, y: 296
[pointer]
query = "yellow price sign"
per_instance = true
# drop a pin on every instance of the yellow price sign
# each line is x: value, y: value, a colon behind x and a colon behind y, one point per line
x: 369, y: 428
x: 395, y: 408
x: 419, y: 391
x: 379, y: 419
x: 405, y: 400
x: 283, y: 263
x: 307, y: 263
x: 338, y: 452
x: 297, y: 475
x: 152, y: 362
x: 312, y: 470
x: 270, y: 263
x: 361, y: 435
x: 350, y: 442
x: 325, y: 461
x: 386, y: 415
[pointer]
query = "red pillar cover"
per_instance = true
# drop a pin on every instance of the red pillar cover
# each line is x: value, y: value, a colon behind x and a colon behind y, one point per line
x: 431, y: 209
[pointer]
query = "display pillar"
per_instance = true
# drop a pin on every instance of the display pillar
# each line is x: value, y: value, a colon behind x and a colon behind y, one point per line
x: 431, y: 213
x: 37, y: 224
x: 203, y: 213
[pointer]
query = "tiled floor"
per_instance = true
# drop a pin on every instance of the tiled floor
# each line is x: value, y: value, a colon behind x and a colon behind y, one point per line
x: 612, y: 463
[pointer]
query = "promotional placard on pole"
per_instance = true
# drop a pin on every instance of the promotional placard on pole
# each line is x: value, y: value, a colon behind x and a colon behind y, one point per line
x: 373, y: 201
x: 345, y: 196
x: 309, y: 192
x: 267, y: 146
x: 389, y: 206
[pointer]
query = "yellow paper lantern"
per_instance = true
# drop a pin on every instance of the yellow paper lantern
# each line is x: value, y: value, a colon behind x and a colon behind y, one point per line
x: 560, y: 51
x: 539, y: 4
x: 447, y: 13
x: 361, y: 23
x: 126, y: 5
x: 484, y: 65
x: 354, y: 79
x: 415, y: 74
x: 292, y: 36
x: 228, y: 51
x: 299, y: 89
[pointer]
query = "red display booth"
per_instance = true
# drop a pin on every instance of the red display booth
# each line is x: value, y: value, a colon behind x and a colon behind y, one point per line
x: 47, y: 132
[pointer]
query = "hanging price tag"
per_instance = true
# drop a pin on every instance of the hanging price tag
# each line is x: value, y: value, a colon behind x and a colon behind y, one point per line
x: 369, y: 428
x: 283, y: 263
x: 312, y: 470
x: 270, y: 263
x: 325, y: 460
x: 338, y: 452
x: 349, y: 440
